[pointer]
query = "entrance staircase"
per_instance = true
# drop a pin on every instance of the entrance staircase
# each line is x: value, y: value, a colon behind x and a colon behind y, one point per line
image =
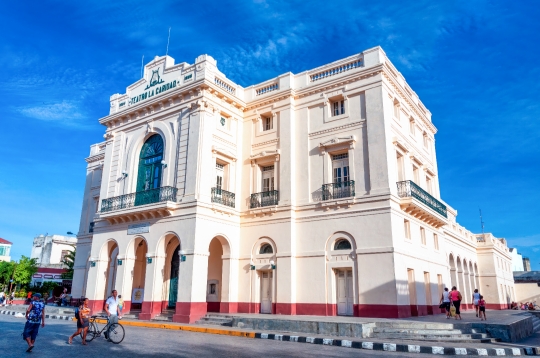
x: 536, y: 323
x: 212, y: 319
x: 438, y: 332
x: 165, y: 315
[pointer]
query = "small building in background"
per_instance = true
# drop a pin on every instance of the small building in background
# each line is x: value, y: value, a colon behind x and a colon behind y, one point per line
x: 517, y: 260
x: 527, y: 285
x: 526, y: 264
x: 5, y: 248
x: 49, y: 252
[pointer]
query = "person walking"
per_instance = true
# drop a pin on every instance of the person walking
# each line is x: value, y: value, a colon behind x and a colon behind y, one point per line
x: 111, y: 307
x: 455, y: 297
x: 34, y: 314
x: 120, y: 306
x: 83, y: 322
x: 482, y: 308
x: 475, y: 299
x: 445, y: 301
x: 63, y: 298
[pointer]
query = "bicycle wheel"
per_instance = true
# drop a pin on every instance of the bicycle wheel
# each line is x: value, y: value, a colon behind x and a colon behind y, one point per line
x: 116, y: 333
x: 92, y: 332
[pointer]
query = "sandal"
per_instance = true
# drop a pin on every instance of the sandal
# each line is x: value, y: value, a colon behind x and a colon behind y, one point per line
x: 70, y: 340
x: 30, y: 349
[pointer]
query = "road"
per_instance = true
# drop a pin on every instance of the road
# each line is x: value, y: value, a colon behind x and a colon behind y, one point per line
x: 145, y: 342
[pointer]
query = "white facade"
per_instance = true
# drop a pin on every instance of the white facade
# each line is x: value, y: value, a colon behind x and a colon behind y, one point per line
x: 517, y: 260
x: 5, y: 250
x: 311, y: 193
x: 50, y: 249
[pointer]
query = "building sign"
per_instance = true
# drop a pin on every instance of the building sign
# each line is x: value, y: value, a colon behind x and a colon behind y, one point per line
x: 155, y: 86
x: 138, y: 295
x: 138, y: 228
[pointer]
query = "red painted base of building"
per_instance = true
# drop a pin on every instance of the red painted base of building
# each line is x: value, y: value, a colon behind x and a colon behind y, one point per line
x: 190, y: 312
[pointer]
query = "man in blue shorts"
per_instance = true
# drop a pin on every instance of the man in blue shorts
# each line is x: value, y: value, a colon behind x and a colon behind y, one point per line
x: 35, y: 313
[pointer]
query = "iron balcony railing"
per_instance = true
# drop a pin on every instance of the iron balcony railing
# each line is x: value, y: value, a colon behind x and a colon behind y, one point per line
x: 408, y: 189
x: 265, y: 198
x: 91, y: 227
x: 166, y: 193
x: 223, y: 197
x: 342, y: 189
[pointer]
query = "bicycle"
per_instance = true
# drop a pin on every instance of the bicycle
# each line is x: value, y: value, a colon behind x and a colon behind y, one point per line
x: 115, y: 332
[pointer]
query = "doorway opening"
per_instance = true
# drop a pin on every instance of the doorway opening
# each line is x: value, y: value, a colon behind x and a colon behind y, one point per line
x: 345, y: 295
x: 266, y: 291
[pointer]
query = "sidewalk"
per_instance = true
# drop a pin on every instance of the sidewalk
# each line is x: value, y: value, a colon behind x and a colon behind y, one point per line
x: 525, y: 347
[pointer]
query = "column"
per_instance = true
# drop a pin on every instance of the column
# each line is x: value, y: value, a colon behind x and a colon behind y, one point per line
x: 153, y: 286
x: 229, y: 286
x: 124, y: 279
x: 96, y: 284
x: 191, y: 304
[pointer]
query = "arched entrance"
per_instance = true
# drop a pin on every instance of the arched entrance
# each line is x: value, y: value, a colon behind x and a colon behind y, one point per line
x: 217, y: 282
x: 215, y: 276
x: 173, y: 281
x: 108, y: 255
x: 139, y: 274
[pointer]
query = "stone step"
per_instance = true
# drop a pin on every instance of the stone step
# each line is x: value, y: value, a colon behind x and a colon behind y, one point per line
x: 415, y: 325
x: 131, y: 316
x: 445, y: 332
x: 162, y: 318
x: 463, y: 339
x: 428, y: 335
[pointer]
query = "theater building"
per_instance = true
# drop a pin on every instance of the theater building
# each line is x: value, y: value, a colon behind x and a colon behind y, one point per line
x: 313, y: 193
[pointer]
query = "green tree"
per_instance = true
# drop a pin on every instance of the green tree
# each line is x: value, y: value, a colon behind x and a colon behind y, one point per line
x: 69, y: 261
x: 6, y: 272
x: 26, y: 268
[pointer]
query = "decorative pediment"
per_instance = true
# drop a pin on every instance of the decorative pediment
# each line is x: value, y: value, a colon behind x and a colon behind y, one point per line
x: 266, y: 154
x: 400, y: 144
x: 223, y: 152
x: 349, y: 140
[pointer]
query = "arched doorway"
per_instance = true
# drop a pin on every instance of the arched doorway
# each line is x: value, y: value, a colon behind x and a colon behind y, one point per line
x: 215, y: 276
x: 108, y: 255
x: 149, y: 171
x: 139, y: 274
x: 173, y: 281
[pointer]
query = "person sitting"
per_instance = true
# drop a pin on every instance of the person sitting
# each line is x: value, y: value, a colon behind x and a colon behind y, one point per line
x: 64, y: 298
x: 513, y: 305
x: 531, y: 306
x: 525, y: 305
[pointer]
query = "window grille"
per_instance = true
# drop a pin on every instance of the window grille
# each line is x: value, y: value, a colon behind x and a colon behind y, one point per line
x: 219, y: 166
x: 340, y: 156
x: 268, y: 168
x: 338, y: 107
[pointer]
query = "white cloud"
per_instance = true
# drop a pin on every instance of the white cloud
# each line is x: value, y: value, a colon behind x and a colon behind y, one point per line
x: 525, y: 241
x: 64, y: 112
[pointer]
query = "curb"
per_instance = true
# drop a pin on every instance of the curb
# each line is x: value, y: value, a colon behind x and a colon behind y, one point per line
x: 64, y: 318
x: 388, y: 347
x: 404, y: 348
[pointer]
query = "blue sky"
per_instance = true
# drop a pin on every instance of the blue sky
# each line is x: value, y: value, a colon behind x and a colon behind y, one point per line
x: 474, y: 64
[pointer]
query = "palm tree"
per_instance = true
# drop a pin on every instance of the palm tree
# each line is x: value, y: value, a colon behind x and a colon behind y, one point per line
x: 69, y: 261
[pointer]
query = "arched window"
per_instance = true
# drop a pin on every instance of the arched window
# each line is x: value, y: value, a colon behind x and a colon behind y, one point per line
x: 342, y: 244
x: 149, y: 174
x: 266, y: 249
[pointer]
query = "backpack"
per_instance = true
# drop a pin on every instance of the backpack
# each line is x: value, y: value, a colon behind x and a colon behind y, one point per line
x: 77, y: 313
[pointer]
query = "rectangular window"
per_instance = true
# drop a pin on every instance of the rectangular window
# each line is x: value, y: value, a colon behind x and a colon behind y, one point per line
x: 396, y: 110
x: 411, y: 126
x: 340, y: 168
x: 423, y: 235
x: 2, y: 251
x: 416, y: 174
x: 407, y: 227
x: 219, y: 176
x: 428, y: 185
x: 427, y: 285
x: 338, y: 107
x: 400, y: 171
x: 268, y: 178
x: 267, y: 123
x: 425, y: 141
x: 436, y: 241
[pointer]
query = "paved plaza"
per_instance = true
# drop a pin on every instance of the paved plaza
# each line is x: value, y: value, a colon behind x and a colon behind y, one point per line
x: 141, y: 342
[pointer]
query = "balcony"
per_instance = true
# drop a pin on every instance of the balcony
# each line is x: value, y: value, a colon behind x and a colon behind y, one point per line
x: 141, y: 205
x: 419, y: 203
x: 338, y: 190
x: 265, y: 198
x: 223, y: 197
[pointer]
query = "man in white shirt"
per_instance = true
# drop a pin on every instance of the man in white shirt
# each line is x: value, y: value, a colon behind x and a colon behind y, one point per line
x: 111, y: 307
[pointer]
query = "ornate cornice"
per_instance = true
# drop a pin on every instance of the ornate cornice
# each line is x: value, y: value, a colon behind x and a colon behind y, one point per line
x: 265, y: 143
x: 224, y: 141
x: 334, y: 129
